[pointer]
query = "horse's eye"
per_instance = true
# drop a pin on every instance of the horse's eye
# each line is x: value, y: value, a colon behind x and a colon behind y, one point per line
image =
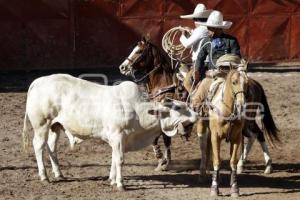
x: 234, y: 82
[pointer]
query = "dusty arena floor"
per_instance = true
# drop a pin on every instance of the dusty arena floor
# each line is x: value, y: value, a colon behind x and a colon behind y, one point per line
x: 87, y: 167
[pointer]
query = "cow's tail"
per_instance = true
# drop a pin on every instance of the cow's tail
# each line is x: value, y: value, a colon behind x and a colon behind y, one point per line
x: 25, y: 133
x: 269, y: 125
x: 26, y: 124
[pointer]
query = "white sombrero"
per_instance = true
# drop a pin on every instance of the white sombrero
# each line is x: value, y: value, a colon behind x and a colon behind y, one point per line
x: 215, y: 20
x: 228, y: 60
x: 199, y: 12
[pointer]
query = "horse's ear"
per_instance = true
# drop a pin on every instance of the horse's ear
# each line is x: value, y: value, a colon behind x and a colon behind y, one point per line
x: 243, y: 66
x: 146, y: 38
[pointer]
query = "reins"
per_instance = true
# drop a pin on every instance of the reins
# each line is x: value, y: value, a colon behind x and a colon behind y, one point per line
x: 233, y: 114
x: 145, y: 76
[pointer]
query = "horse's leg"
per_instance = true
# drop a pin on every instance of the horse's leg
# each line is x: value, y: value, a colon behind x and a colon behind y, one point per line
x: 267, y: 157
x: 245, y: 153
x: 209, y: 164
x: 234, y: 146
x: 167, y: 154
x: 266, y: 153
x: 215, y: 141
x: 203, y: 136
x: 157, y: 152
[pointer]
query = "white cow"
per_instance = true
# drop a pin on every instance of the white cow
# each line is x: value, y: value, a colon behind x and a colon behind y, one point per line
x: 118, y: 115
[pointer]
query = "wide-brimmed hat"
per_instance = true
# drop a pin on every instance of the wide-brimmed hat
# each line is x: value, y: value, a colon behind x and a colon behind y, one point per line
x: 215, y: 20
x: 228, y: 60
x: 199, y: 12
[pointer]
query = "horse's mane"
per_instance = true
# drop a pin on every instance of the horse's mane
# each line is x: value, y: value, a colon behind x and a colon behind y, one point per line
x: 163, y: 57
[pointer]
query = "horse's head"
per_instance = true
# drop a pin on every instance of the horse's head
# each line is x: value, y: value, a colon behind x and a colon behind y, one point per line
x: 239, y: 83
x: 139, y: 59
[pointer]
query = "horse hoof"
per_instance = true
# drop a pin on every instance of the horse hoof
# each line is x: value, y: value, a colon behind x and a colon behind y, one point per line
x: 161, y: 168
x: 202, y: 179
x: 234, y: 192
x: 164, y: 167
x: 235, y: 195
x: 158, y: 169
x: 239, y: 170
x: 121, y: 188
x: 214, y: 191
x: 268, y: 170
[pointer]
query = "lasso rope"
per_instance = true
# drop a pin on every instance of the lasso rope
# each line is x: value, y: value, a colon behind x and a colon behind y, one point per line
x: 177, y: 52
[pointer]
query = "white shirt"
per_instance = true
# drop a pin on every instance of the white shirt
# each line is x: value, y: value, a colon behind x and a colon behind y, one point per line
x: 193, y: 41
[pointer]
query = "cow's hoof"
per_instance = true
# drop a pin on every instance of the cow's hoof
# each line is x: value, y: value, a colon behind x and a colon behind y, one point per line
x: 45, y: 180
x: 121, y: 188
x: 59, y: 178
x: 44, y: 177
x: 268, y: 170
x: 113, y: 182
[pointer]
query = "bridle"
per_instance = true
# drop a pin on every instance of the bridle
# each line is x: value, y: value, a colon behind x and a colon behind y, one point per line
x: 234, y: 115
x: 139, y: 58
x: 132, y: 63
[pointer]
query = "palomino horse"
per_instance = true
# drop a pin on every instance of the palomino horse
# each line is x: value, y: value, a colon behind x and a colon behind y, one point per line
x: 160, y: 84
x: 226, y: 120
x: 256, y: 101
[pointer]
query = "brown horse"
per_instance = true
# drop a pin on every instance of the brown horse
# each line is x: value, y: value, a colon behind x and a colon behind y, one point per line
x: 257, y: 101
x: 160, y: 84
x: 159, y: 75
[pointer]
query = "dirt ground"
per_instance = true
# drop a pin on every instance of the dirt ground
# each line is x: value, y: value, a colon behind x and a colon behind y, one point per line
x: 87, y: 167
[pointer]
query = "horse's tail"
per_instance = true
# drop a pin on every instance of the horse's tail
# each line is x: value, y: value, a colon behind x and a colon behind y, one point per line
x: 267, y: 120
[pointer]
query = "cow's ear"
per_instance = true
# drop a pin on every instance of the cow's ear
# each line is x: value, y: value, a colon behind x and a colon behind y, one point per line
x: 161, y: 114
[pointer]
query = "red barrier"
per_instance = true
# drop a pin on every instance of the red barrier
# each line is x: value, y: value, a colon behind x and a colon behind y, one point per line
x: 52, y: 34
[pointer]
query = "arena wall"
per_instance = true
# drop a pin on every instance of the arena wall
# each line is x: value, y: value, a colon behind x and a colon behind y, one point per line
x: 76, y: 34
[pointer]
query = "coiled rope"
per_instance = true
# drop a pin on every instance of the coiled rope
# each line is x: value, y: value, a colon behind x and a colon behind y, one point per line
x: 178, y: 53
x: 173, y: 47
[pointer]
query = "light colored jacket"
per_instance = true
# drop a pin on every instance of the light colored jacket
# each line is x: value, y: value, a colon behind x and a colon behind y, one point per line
x: 194, y: 40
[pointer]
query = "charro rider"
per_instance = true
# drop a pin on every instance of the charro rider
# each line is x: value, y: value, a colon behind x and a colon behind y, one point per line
x: 216, y: 45
x: 200, y: 14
